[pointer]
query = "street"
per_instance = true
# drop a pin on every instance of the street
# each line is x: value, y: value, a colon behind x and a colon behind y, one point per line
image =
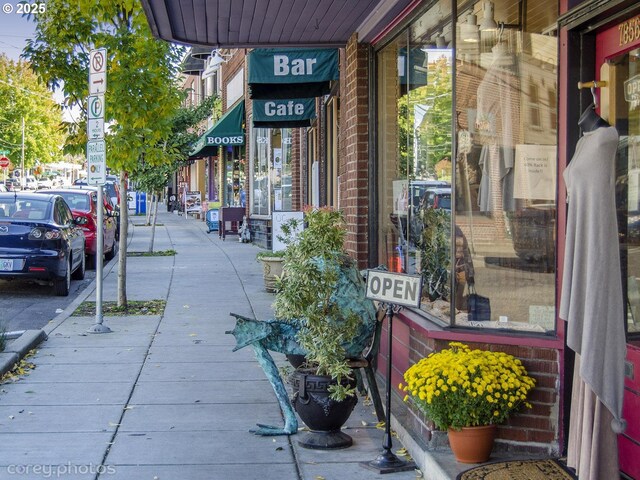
x: 27, y: 305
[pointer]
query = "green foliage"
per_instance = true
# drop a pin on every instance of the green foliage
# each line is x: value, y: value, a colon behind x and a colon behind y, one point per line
x: 23, y: 96
x: 435, y: 244
x: 432, y: 135
x: 312, y: 262
x: 142, y: 94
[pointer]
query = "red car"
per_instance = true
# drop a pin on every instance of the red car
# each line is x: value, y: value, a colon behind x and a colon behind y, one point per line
x: 83, y: 203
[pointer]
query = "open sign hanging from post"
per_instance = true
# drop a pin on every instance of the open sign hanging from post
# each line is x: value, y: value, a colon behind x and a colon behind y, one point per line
x: 394, y: 288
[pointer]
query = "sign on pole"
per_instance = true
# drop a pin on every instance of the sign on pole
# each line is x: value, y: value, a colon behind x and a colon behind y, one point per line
x: 95, y: 114
x: 98, y: 71
x: 96, y: 162
x: 4, y: 162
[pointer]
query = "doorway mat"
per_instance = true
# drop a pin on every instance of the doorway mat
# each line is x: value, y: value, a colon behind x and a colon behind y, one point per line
x: 543, y: 469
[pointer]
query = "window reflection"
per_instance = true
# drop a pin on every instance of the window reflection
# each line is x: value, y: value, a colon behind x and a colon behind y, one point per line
x: 485, y: 217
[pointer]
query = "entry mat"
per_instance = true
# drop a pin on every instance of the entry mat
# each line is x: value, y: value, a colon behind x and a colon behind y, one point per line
x: 544, y: 469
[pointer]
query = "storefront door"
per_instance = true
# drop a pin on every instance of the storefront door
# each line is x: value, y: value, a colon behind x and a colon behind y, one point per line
x: 618, y: 61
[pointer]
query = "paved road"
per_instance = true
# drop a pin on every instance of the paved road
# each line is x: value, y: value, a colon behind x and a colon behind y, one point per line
x: 27, y: 305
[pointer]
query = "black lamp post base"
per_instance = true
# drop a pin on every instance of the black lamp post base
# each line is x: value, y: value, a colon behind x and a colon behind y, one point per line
x: 387, y: 462
x: 325, y: 440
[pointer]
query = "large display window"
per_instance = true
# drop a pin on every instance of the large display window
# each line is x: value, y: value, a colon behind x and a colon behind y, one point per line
x: 271, y: 170
x: 467, y: 153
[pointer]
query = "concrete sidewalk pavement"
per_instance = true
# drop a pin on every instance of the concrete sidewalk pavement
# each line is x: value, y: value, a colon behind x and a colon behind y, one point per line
x: 164, y: 397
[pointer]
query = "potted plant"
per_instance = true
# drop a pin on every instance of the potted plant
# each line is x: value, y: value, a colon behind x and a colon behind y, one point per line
x: 468, y: 392
x: 323, y: 293
x: 271, y: 268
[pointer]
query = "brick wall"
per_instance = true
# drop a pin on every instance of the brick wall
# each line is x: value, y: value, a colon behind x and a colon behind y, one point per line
x: 353, y: 165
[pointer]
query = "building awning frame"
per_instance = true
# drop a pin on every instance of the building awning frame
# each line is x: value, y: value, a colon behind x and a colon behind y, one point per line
x: 228, y: 130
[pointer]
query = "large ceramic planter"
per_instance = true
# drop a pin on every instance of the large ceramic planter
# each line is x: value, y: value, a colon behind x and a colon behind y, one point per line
x: 323, y: 415
x: 472, y: 444
x: 271, y: 268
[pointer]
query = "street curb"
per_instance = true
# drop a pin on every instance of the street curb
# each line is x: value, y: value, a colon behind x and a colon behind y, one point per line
x: 18, y: 348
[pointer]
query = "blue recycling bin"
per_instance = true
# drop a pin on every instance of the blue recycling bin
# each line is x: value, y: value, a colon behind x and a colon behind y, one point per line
x: 141, y: 203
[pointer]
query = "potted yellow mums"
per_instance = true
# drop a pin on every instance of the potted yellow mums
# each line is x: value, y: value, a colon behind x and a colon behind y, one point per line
x: 464, y: 391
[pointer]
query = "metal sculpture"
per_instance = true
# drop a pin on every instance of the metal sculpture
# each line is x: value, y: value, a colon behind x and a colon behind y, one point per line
x: 280, y: 336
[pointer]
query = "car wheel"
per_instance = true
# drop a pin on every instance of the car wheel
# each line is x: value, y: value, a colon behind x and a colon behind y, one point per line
x: 62, y: 285
x: 111, y: 253
x: 79, y: 273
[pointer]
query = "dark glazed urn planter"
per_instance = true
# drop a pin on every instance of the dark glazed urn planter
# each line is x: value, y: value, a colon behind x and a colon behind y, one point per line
x: 323, y: 415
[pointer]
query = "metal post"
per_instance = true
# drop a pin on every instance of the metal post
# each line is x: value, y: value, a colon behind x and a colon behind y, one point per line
x: 23, y: 182
x: 387, y: 461
x: 99, y: 327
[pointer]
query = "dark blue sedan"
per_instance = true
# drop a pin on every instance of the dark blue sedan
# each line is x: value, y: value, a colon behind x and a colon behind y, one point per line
x: 39, y: 240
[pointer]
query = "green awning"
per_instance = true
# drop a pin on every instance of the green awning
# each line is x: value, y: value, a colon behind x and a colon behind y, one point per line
x: 276, y: 73
x: 227, y: 131
x: 284, y: 113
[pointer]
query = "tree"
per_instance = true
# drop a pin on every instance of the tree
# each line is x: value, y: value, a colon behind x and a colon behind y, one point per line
x: 24, y: 97
x: 142, y: 95
x: 185, y: 131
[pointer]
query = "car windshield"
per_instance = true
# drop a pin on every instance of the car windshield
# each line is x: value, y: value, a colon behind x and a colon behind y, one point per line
x: 76, y: 201
x: 30, y: 209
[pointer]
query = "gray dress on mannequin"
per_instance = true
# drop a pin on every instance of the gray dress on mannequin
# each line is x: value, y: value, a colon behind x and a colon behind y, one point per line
x: 592, y: 305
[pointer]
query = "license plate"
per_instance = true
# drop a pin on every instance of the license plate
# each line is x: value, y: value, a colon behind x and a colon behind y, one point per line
x: 6, y: 265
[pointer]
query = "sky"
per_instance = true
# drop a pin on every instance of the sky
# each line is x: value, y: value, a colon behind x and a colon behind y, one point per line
x: 14, y: 31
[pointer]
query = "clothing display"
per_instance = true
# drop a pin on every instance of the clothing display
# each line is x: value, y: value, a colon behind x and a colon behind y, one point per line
x: 497, y: 123
x: 592, y: 300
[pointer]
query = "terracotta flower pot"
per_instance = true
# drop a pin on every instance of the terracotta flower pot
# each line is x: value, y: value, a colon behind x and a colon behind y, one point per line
x: 472, y: 444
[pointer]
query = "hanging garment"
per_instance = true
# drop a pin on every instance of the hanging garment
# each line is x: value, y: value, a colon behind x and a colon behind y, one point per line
x: 592, y: 301
x: 497, y: 123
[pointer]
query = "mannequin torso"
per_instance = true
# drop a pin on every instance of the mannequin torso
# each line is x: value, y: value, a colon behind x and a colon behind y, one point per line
x: 590, y: 120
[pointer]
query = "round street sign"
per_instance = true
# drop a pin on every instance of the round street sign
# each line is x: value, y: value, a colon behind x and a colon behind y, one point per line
x: 4, y: 162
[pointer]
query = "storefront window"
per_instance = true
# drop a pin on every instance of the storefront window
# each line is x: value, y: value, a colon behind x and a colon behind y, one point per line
x: 271, y: 170
x: 480, y: 212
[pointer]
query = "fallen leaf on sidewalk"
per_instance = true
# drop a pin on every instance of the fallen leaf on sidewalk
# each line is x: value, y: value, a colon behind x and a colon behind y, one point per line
x: 193, y: 334
x: 319, y: 477
x: 364, y: 424
x: 111, y: 424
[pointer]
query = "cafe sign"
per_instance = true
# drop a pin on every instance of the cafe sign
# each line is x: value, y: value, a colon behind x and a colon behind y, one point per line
x: 284, y: 113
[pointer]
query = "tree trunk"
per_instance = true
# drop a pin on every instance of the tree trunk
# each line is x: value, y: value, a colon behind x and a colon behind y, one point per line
x: 153, y: 222
x: 148, y: 212
x: 122, y: 254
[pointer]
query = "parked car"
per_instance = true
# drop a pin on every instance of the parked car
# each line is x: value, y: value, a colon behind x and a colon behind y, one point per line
x: 436, y: 197
x: 12, y: 184
x: 84, y: 207
x: 113, y: 209
x: 29, y: 183
x: 44, y: 182
x: 40, y: 240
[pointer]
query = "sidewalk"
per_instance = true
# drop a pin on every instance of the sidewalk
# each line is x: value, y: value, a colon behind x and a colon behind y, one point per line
x: 164, y: 397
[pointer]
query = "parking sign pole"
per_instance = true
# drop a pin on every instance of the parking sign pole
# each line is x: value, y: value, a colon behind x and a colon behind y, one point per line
x: 96, y: 164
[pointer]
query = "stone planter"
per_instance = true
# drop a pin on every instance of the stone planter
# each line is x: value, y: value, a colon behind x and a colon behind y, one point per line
x: 271, y: 268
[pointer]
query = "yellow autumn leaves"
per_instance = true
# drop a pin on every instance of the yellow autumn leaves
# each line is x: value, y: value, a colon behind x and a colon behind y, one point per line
x: 460, y: 387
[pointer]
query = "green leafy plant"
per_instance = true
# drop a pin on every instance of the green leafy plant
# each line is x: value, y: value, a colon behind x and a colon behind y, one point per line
x: 270, y: 254
x: 435, y: 244
x: 459, y: 387
x: 306, y: 293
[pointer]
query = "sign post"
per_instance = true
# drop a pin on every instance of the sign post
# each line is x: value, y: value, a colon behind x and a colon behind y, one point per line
x: 393, y: 290
x: 97, y: 163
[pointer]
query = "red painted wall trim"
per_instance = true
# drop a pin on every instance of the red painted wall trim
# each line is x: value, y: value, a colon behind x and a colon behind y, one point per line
x: 394, y: 23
